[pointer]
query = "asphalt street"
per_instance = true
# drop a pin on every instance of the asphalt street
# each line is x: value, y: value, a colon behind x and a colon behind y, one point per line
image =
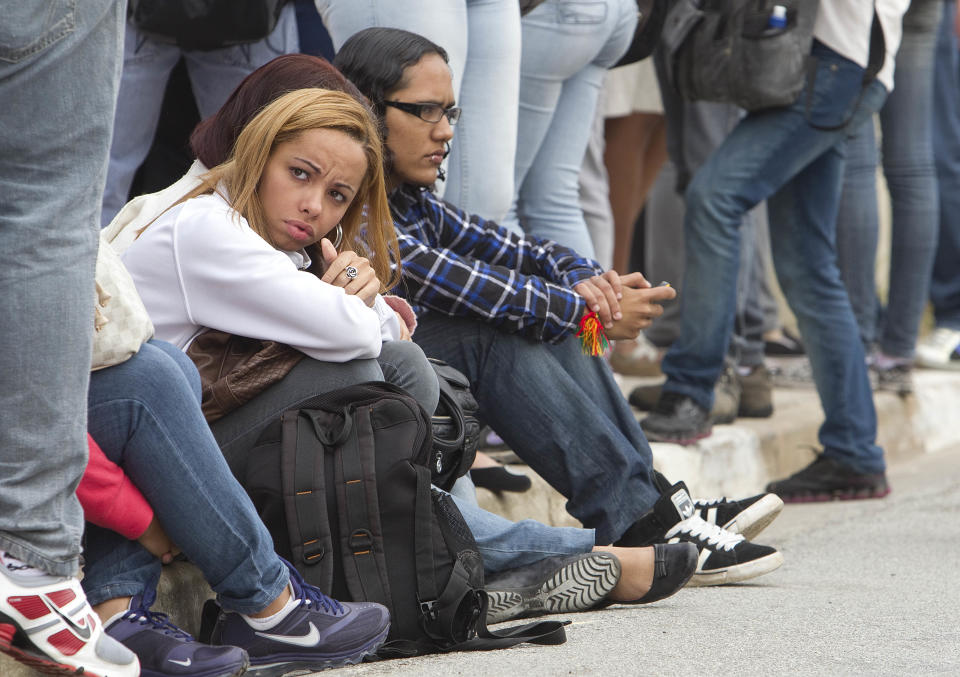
x: 867, y: 588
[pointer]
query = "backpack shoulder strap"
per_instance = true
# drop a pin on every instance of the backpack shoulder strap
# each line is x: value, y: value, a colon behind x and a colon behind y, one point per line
x: 302, y: 477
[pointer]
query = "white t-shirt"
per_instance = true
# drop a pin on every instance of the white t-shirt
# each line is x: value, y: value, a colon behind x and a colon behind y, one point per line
x: 200, y: 265
x: 844, y: 27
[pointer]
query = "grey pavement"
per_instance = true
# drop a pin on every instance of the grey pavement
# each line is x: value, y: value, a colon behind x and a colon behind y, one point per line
x: 867, y: 588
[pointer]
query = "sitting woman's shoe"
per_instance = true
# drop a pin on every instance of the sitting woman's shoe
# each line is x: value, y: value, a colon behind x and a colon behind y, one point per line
x: 500, y: 478
x: 674, y: 564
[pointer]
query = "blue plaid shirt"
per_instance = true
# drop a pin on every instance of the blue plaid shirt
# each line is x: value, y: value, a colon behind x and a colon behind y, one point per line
x: 464, y: 266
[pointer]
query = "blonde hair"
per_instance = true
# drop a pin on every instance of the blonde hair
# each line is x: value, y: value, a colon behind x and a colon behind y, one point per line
x: 367, y: 223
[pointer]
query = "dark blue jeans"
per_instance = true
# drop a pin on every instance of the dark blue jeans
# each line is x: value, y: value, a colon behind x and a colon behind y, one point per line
x: 785, y: 156
x: 906, y: 120
x: 560, y: 411
x: 945, y: 283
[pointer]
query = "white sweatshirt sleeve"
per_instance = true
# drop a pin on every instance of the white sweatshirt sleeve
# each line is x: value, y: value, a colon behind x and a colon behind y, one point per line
x: 233, y: 280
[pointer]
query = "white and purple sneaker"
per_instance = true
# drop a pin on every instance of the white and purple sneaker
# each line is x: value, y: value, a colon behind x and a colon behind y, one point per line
x: 318, y: 633
x: 165, y: 650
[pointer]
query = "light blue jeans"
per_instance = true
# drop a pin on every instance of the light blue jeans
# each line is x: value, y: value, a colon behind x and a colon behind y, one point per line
x: 567, y: 47
x: 906, y: 120
x: 482, y: 39
x: 785, y: 156
x: 945, y: 284
x: 147, y: 65
x: 145, y: 415
x: 59, y: 69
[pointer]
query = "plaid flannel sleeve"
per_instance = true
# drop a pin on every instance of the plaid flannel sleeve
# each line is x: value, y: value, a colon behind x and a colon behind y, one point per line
x: 468, y: 267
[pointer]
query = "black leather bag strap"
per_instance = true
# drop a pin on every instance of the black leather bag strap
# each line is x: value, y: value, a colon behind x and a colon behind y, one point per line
x: 356, y: 491
x: 305, y: 506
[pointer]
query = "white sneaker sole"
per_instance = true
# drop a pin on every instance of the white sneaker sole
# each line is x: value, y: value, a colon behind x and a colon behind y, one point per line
x: 737, y: 573
x: 578, y: 586
x: 756, y: 518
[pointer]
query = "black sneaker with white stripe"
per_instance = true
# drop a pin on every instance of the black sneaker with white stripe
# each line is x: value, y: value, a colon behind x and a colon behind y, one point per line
x: 725, y: 557
x: 748, y: 516
x: 559, y: 584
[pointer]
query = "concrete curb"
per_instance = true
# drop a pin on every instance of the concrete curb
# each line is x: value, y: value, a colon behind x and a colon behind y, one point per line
x: 737, y: 460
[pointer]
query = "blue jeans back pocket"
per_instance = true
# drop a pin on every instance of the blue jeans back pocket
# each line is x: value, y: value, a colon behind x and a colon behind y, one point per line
x: 582, y: 12
x: 30, y: 26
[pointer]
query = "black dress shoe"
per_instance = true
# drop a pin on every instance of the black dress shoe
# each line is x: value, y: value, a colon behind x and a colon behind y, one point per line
x: 674, y: 565
x: 558, y: 584
x: 499, y: 479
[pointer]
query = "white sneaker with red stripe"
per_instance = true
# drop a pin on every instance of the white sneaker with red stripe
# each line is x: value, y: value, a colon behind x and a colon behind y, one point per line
x: 46, y: 623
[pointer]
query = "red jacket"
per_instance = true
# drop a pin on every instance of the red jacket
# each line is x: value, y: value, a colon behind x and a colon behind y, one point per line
x: 110, y: 499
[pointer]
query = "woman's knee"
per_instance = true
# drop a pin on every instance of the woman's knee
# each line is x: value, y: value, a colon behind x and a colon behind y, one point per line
x: 404, y: 364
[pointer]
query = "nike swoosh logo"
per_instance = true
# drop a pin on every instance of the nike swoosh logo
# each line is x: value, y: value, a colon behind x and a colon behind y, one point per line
x: 185, y: 663
x: 82, y: 632
x: 309, y: 639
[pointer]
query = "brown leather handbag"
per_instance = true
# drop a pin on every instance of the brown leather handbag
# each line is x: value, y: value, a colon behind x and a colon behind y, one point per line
x: 235, y: 369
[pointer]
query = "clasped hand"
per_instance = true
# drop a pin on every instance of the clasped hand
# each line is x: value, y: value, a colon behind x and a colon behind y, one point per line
x: 624, y: 304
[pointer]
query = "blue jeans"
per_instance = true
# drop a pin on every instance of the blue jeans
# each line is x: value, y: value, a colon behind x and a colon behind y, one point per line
x: 906, y: 120
x: 779, y: 155
x: 482, y: 40
x: 146, y: 68
x: 562, y: 413
x: 59, y: 68
x: 945, y: 283
x: 145, y: 415
x: 567, y: 47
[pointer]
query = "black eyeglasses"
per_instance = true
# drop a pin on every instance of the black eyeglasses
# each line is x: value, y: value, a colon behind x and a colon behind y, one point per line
x: 428, y: 112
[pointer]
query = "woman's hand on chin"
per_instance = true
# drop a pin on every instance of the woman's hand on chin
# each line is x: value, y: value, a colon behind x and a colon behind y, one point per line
x: 351, y: 272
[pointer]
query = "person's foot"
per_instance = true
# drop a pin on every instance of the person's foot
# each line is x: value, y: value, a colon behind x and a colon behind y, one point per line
x: 896, y: 379
x: 651, y: 576
x: 317, y: 633
x: 677, y: 418
x: 756, y: 393
x: 47, y: 624
x: 492, y: 475
x: 940, y: 350
x: 559, y: 584
x: 826, y: 480
x: 636, y: 358
x: 748, y: 516
x: 725, y: 557
x: 164, y: 649
x: 792, y: 373
x: 782, y: 343
x: 726, y: 397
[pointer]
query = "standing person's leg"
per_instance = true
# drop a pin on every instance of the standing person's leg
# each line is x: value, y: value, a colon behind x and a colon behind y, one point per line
x: 857, y: 229
x: 59, y: 70
x: 480, y: 166
x: 558, y: 96
x: 216, y: 73
x: 143, y: 80
x: 907, y: 122
x: 942, y: 349
x: 762, y: 154
x: 571, y: 438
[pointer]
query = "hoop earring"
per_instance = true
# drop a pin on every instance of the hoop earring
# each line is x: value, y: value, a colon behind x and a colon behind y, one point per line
x: 339, y: 237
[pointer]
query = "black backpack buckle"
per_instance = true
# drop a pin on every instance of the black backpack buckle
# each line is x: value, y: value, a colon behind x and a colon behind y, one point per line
x: 360, y: 541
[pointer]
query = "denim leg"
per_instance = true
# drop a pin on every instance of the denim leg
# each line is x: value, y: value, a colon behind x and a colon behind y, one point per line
x: 907, y: 121
x: 762, y: 153
x: 59, y: 68
x: 145, y: 415
x: 559, y: 89
x: 480, y: 166
x: 858, y: 224
x: 146, y: 69
x: 506, y: 545
x: 556, y: 408
x: 945, y: 282
x: 746, y: 345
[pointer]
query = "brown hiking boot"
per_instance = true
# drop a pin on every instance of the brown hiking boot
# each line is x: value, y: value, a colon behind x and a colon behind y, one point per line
x: 756, y: 393
x: 726, y: 397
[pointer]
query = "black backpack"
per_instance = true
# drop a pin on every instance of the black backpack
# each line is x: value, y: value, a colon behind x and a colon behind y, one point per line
x: 342, y: 485
x: 456, y: 428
